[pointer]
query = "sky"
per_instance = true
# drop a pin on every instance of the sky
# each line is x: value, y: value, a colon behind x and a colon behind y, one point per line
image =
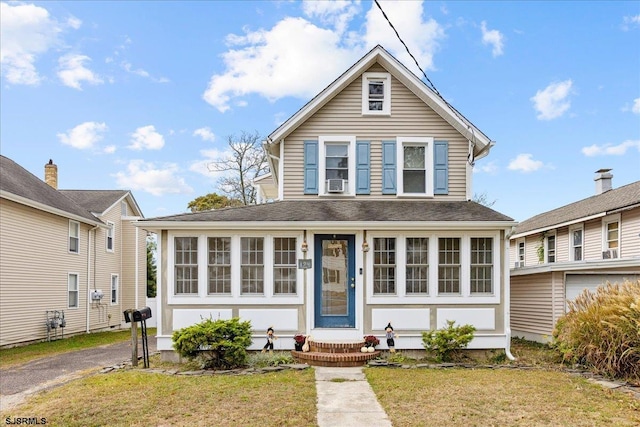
x: 143, y: 95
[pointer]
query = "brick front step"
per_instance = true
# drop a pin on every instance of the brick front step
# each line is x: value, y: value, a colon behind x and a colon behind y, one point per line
x: 336, y: 347
x: 344, y: 359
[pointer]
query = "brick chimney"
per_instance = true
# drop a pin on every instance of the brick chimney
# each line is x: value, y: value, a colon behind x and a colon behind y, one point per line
x: 603, y: 181
x: 51, y: 174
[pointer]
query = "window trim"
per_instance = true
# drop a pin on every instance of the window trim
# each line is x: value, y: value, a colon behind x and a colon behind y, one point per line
x: 465, y: 296
x: 605, y: 238
x: 386, y: 99
x: 116, y: 290
x: 572, y: 247
x: 521, y: 257
x: 323, y: 141
x: 416, y: 141
x: 76, y: 225
x: 77, y: 290
x: 110, y: 236
x: 547, y: 250
x: 202, y: 298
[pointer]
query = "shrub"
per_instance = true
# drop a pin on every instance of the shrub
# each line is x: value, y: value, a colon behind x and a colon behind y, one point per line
x: 262, y: 360
x: 601, y: 330
x: 219, y: 344
x: 446, y: 343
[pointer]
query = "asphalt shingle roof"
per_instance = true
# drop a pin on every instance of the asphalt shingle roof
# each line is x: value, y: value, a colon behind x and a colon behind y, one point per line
x: 346, y: 211
x: 619, y: 198
x: 96, y: 201
x: 17, y: 180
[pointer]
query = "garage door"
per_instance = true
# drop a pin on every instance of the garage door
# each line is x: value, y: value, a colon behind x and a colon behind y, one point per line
x: 576, y: 283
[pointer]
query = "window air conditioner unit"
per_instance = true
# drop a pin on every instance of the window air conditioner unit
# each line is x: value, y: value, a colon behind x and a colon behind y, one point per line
x: 519, y: 264
x: 335, y: 185
x: 609, y: 254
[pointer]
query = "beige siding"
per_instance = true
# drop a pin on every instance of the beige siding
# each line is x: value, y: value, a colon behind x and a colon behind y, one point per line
x: 562, y: 245
x: 343, y: 116
x: 531, y: 304
x: 630, y: 234
x: 35, y: 263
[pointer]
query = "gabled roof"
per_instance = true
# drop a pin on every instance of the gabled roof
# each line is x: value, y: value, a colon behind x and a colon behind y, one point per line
x: 625, y: 197
x: 363, y: 212
x: 100, y: 201
x: 379, y: 55
x: 21, y: 186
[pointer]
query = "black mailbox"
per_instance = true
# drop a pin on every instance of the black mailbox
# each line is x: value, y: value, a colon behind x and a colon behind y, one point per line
x: 141, y: 314
x: 127, y: 315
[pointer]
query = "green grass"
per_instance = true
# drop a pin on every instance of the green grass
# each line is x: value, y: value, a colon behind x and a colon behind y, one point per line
x: 485, y: 397
x: 23, y: 354
x: 135, y: 398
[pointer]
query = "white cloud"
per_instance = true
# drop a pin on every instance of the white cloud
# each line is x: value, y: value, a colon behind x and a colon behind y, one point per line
x: 84, y: 136
x: 493, y: 38
x: 109, y: 149
x: 552, y: 102
x: 297, y: 57
x: 157, y: 180
x: 26, y: 31
x: 208, y: 156
x: 629, y: 22
x: 610, y: 150
x: 525, y: 163
x: 205, y: 133
x: 146, y: 138
x: 636, y: 106
x: 72, y: 71
x: 490, y: 168
x: 140, y: 72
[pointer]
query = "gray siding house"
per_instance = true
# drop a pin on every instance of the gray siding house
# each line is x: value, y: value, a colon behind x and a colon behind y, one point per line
x: 557, y: 254
x: 74, y: 252
x: 370, y: 222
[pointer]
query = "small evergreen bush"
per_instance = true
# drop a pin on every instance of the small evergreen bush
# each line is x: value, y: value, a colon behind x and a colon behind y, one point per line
x: 601, y: 330
x: 219, y: 344
x: 446, y: 343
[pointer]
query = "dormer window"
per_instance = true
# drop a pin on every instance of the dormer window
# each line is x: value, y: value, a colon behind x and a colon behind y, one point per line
x: 376, y: 94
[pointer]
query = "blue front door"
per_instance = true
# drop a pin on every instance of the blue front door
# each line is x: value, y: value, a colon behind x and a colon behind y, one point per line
x: 334, y: 281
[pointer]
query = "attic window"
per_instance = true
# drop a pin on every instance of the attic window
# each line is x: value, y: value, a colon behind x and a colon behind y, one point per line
x: 376, y: 94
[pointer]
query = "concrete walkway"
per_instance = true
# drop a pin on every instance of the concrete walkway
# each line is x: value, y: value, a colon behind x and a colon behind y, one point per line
x: 345, y: 398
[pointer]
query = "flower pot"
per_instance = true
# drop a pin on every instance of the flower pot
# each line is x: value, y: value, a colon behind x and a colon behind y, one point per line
x: 298, y: 347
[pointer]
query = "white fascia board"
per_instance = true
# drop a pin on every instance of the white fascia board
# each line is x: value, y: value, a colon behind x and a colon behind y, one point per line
x: 554, y: 226
x: 324, y: 225
x: 49, y: 209
x: 598, y: 266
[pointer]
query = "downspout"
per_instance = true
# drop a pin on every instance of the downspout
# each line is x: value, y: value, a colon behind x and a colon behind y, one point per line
x: 89, y: 272
x: 507, y: 294
x: 137, y: 265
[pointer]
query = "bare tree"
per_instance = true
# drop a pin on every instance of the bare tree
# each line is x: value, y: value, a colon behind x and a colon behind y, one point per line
x: 483, y: 199
x: 246, y: 161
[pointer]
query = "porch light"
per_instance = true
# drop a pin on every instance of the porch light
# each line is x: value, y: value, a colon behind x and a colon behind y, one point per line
x: 365, y: 246
x: 304, y: 247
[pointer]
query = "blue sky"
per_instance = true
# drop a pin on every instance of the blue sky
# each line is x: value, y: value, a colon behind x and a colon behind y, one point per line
x: 142, y: 95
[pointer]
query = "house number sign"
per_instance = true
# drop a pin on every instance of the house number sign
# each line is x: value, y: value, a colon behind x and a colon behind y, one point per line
x: 304, y: 263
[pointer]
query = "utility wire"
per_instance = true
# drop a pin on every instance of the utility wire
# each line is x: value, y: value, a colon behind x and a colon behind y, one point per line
x: 432, y: 86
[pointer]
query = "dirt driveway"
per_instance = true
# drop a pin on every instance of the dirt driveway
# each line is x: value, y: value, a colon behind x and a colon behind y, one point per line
x: 16, y: 383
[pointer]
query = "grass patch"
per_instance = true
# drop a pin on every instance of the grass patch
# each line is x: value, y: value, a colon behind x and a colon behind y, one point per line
x: 454, y: 397
x: 23, y: 354
x: 134, y: 398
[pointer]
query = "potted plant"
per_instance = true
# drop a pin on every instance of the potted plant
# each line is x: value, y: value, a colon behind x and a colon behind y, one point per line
x: 370, y: 342
x: 299, y: 341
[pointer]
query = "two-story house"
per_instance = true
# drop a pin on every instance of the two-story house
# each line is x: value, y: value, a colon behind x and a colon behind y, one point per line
x: 71, y: 261
x: 557, y: 254
x: 371, y: 223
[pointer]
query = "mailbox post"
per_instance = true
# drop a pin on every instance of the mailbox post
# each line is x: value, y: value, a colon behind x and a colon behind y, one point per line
x: 134, y: 316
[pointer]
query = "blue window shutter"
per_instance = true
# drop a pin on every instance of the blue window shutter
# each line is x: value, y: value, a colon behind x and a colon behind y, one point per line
x: 389, y: 167
x: 363, y: 168
x: 311, y: 167
x: 441, y: 167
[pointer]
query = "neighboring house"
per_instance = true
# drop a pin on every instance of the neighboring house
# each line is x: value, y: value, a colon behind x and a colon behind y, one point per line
x: 558, y: 254
x: 371, y: 222
x: 67, y: 251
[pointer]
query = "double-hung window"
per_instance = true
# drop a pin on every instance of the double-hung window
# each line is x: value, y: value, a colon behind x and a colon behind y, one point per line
x: 252, y: 265
x: 415, y: 174
x: 481, y: 265
x: 417, y: 270
x: 576, y: 242
x: 73, y: 290
x: 611, y: 244
x: 551, y: 248
x: 114, y: 289
x: 74, y: 237
x: 337, y: 165
x: 384, y: 266
x: 284, y: 265
x: 186, y: 265
x: 219, y: 265
x: 520, y: 254
x: 110, y: 235
x: 376, y: 94
x: 449, y: 265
